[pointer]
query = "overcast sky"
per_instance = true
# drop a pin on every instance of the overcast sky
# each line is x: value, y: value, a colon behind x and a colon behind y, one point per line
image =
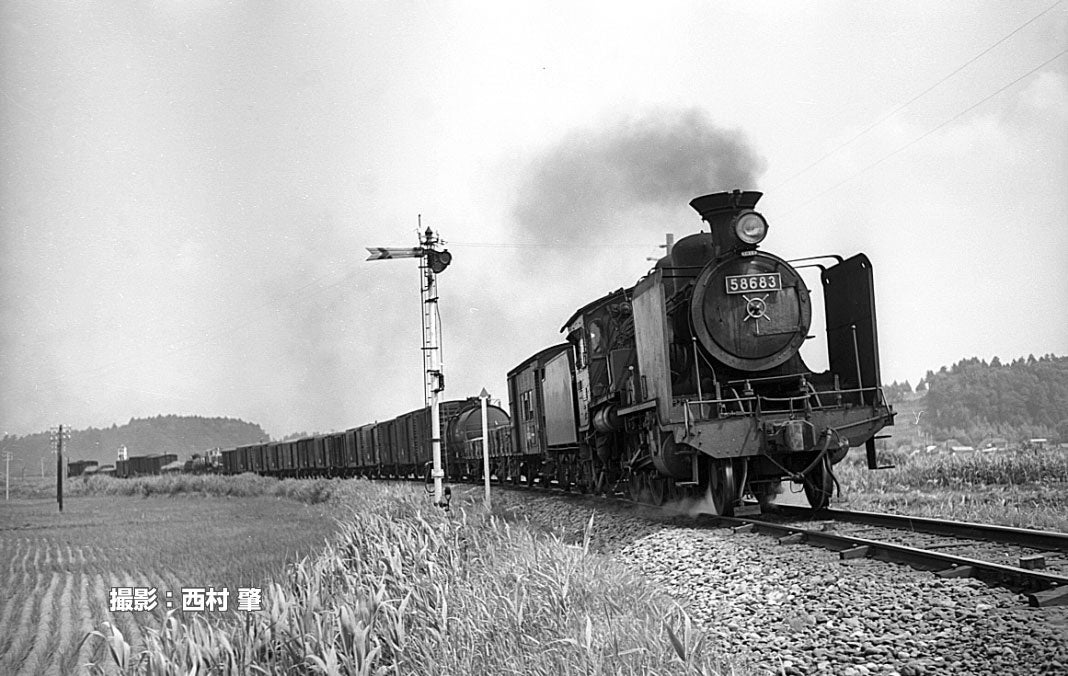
x: 187, y: 188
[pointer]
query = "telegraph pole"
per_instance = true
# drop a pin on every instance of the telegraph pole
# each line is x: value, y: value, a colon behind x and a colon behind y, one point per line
x: 431, y: 263
x: 7, y: 474
x: 57, y: 441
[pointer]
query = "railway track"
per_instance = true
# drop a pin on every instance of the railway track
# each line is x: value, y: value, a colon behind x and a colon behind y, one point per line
x: 1028, y: 561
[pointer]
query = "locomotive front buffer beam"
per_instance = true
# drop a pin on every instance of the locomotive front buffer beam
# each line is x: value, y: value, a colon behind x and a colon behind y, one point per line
x: 832, y: 431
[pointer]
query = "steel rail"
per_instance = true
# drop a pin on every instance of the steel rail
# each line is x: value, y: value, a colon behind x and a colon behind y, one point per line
x: 1043, y: 588
x: 1024, y: 537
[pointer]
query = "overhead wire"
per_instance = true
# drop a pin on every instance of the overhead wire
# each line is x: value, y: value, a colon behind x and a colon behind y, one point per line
x: 915, y: 98
x: 916, y: 140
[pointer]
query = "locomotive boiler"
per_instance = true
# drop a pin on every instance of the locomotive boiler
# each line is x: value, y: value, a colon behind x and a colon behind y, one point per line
x: 690, y: 383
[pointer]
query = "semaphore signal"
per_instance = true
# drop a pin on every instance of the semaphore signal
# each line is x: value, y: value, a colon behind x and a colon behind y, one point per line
x: 432, y: 262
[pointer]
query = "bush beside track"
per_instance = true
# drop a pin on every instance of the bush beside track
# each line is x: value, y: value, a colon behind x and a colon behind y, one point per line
x: 308, y: 491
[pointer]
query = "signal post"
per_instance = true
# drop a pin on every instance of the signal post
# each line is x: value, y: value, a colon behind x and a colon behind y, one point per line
x: 431, y: 263
x: 484, y: 396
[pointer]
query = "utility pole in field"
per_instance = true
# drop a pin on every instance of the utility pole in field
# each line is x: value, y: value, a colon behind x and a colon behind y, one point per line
x: 7, y: 467
x: 431, y: 263
x: 57, y: 443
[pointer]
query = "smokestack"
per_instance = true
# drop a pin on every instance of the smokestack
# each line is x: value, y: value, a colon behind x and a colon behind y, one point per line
x: 712, y: 205
x: 719, y: 209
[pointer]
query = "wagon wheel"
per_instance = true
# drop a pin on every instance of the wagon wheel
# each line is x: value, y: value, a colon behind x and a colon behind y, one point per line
x: 583, y: 478
x: 602, y: 485
x: 636, y: 486
x: 819, y: 485
x: 657, y: 489
x: 722, y: 488
x: 563, y: 477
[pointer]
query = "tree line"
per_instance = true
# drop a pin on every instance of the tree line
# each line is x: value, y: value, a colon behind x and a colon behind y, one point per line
x: 973, y: 400
x: 180, y: 435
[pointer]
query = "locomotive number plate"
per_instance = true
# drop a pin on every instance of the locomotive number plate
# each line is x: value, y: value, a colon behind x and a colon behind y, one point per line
x: 769, y: 281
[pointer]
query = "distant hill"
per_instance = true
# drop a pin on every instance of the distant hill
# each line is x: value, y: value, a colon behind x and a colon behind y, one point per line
x: 181, y: 435
x: 974, y: 400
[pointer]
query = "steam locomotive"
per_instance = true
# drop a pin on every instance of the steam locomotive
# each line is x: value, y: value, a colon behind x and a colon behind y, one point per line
x: 688, y: 384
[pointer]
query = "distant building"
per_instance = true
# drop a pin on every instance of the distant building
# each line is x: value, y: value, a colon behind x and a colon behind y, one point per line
x: 80, y: 467
x: 956, y: 446
x: 994, y: 444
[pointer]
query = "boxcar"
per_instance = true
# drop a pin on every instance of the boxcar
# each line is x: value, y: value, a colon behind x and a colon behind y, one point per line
x: 80, y: 467
x: 350, y: 457
x: 146, y: 465
x: 272, y: 461
x: 366, y: 458
x: 334, y: 447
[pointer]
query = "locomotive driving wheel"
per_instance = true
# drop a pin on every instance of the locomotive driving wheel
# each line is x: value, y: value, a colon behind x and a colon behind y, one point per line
x: 657, y: 489
x: 636, y: 485
x: 819, y: 485
x: 722, y: 487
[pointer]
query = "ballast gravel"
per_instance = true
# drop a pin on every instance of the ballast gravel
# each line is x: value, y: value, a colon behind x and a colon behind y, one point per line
x: 797, y: 609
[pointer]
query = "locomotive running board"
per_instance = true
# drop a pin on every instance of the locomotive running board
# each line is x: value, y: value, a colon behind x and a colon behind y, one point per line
x: 644, y: 406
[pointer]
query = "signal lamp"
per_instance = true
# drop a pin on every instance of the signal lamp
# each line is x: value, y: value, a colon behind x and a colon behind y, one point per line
x: 750, y: 227
x: 439, y: 260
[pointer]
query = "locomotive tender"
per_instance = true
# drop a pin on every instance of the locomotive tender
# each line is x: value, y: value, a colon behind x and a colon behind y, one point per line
x: 688, y: 384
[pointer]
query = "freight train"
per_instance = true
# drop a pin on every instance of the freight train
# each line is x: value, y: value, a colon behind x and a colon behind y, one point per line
x: 392, y: 449
x: 689, y: 383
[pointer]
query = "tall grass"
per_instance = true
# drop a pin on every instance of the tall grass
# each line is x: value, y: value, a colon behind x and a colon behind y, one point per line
x: 952, y: 471
x: 406, y: 588
x: 1025, y: 489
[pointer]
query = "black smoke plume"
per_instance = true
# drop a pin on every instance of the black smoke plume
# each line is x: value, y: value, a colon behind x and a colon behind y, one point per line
x: 589, y: 187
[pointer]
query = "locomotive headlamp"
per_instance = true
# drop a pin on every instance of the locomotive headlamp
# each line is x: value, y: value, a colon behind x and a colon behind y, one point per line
x: 750, y: 227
